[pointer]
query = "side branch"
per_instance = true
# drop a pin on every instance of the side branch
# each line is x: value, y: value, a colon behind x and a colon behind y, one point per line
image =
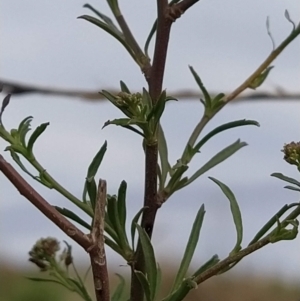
x: 97, y: 250
x: 39, y: 202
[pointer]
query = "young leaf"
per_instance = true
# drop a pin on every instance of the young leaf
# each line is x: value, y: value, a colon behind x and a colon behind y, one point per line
x: 93, y: 168
x: 222, y: 128
x: 217, y: 159
x: 133, y: 225
x: 91, y: 187
x: 207, y: 265
x: 145, y: 284
x: 24, y: 128
x: 5, y: 103
x: 150, y: 262
x: 158, y: 108
x: 122, y: 203
x: 271, y: 222
x: 236, y: 214
x: 259, y: 80
x: 37, y: 132
x: 202, y: 88
x: 109, y: 30
x: 190, y: 248
x: 114, y: 246
x: 124, y: 88
x: 106, y: 19
x: 163, y: 155
x: 71, y: 215
x: 119, y: 293
x: 285, y: 178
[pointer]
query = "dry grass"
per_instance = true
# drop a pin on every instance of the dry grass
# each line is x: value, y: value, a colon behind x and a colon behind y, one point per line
x: 15, y: 287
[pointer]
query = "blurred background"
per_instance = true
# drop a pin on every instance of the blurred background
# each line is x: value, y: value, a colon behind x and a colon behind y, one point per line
x: 43, y: 44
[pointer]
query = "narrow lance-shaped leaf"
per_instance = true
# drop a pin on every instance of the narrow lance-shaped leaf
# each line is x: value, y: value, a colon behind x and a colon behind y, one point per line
x: 217, y: 159
x: 91, y: 187
x: 145, y: 284
x: 163, y: 154
x: 150, y: 263
x: 285, y: 178
x: 124, y: 88
x: 94, y: 166
x: 38, y: 131
x: 190, y: 248
x: 271, y: 222
x: 119, y: 293
x: 207, y: 265
x: 106, y: 19
x: 222, y: 128
x: 122, y: 203
x: 71, y: 215
x: 202, y: 88
x: 133, y: 225
x: 236, y: 213
x: 109, y: 30
x: 24, y: 128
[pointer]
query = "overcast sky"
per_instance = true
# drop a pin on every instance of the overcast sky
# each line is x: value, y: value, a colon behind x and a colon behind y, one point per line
x: 43, y: 43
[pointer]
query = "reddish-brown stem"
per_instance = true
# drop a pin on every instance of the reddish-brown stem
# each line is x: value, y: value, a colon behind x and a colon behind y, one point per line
x: 39, y: 202
x: 154, y: 76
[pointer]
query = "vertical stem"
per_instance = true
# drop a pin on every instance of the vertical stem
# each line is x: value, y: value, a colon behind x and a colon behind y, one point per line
x: 97, y: 251
x: 155, y: 82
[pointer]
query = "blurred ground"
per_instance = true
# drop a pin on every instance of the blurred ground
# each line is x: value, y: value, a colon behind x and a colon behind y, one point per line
x: 15, y: 287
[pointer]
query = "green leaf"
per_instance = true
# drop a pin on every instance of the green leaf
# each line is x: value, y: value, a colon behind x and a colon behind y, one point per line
x: 150, y: 262
x: 146, y: 99
x: 271, y: 222
x: 190, y: 248
x: 23, y: 129
x: 217, y: 159
x: 163, y: 155
x: 106, y: 19
x: 236, y: 214
x: 119, y: 293
x: 17, y: 159
x: 133, y: 225
x: 220, y: 129
x: 285, y: 178
x: 175, y: 178
x: 152, y: 31
x: 91, y: 187
x: 258, y: 81
x: 109, y: 30
x: 285, y: 234
x: 122, y: 203
x: 94, y: 166
x: 124, y: 88
x: 291, y: 188
x: 207, y: 265
x: 112, y: 210
x: 37, y: 132
x: 202, y: 88
x: 158, y: 281
x: 114, y: 246
x: 158, y: 109
x: 145, y: 284
x: 71, y: 215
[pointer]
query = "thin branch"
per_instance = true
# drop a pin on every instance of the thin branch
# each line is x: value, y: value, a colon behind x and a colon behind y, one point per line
x: 20, y: 89
x: 231, y: 259
x: 97, y: 251
x: 273, y: 55
x: 186, y: 4
x: 39, y: 202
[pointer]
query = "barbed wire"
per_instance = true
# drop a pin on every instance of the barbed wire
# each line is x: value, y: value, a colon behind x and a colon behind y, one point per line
x: 11, y: 87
